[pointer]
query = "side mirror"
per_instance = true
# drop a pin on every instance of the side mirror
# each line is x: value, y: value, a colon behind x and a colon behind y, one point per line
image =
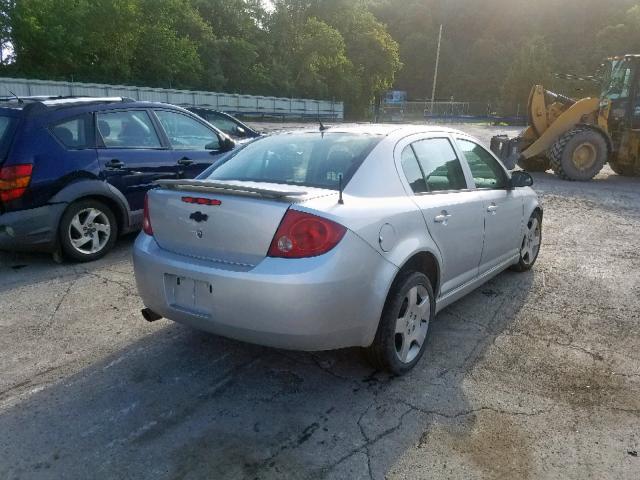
x: 227, y: 144
x: 520, y: 178
x: 240, y: 132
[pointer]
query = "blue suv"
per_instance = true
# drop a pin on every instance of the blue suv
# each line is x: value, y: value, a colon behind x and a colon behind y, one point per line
x: 74, y: 171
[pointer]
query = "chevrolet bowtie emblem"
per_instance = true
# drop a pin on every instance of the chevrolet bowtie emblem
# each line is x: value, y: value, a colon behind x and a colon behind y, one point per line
x: 199, y: 217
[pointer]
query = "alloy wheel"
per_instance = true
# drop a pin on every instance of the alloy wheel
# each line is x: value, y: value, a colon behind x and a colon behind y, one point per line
x: 531, y: 242
x: 412, y: 324
x: 89, y: 231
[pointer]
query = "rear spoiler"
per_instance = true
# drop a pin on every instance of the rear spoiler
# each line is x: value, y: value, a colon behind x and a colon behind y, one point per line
x: 228, y: 188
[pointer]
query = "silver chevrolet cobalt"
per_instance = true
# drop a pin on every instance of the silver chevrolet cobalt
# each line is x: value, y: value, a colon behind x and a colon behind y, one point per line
x: 338, y: 237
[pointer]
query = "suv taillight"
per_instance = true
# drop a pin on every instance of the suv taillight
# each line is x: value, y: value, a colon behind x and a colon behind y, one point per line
x: 303, y: 235
x: 14, y: 181
x: 146, y: 221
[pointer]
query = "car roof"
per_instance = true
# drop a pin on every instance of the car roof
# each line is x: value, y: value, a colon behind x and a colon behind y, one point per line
x: 378, y: 129
x: 43, y: 105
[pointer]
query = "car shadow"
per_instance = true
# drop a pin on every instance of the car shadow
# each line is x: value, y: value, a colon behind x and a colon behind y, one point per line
x: 19, y: 268
x: 180, y: 403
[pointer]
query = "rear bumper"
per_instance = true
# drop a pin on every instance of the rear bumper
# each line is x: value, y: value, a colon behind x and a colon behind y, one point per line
x: 320, y: 303
x: 30, y: 230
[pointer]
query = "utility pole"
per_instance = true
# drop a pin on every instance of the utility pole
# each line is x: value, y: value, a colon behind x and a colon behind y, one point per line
x: 435, y: 73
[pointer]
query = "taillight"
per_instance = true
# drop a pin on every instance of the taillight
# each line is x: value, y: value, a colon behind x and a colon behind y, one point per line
x: 302, y: 235
x: 146, y: 221
x: 14, y: 181
x: 202, y: 201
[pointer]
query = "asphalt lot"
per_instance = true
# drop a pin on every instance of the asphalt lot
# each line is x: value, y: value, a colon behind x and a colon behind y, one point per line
x: 533, y: 376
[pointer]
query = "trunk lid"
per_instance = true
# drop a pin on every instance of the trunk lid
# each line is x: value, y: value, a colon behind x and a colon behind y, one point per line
x: 238, y: 230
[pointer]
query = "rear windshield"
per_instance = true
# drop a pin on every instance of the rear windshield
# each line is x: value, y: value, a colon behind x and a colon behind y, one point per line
x: 309, y: 159
x: 7, y: 128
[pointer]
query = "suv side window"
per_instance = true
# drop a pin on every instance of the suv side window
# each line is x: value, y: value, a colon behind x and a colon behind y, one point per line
x: 185, y: 133
x: 75, y: 133
x: 439, y: 164
x: 486, y: 171
x: 127, y: 129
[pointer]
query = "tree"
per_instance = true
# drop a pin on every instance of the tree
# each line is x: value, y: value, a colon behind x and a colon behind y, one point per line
x: 531, y: 66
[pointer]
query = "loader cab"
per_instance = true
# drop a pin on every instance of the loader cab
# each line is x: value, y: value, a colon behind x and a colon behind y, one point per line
x: 620, y: 111
x: 620, y: 97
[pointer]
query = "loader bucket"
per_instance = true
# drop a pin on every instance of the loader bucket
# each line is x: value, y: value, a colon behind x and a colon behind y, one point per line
x: 506, y: 150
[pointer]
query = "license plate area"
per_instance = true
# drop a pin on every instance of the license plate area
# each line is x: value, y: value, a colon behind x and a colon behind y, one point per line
x: 184, y: 293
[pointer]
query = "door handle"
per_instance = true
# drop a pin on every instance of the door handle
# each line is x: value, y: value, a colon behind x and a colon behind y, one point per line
x: 185, y: 161
x: 492, y: 209
x: 115, y: 164
x: 443, y: 218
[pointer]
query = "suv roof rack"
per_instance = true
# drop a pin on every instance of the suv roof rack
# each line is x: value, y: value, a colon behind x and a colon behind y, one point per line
x: 38, y: 104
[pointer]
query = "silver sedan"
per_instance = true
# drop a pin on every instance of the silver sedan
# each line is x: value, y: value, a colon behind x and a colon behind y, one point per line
x: 322, y: 239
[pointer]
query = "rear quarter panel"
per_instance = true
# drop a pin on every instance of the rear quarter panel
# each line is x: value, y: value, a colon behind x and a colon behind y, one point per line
x: 53, y: 165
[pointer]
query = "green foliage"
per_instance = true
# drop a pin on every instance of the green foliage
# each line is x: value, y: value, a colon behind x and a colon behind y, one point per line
x: 350, y: 50
x: 530, y: 66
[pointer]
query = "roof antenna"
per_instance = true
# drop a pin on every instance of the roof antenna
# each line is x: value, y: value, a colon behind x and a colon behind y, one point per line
x: 340, y: 200
x: 20, y: 101
x: 322, y: 126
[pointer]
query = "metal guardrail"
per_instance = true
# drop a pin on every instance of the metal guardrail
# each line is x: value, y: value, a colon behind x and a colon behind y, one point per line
x: 245, y: 105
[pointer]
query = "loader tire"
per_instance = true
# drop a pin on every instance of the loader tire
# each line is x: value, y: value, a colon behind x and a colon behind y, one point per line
x: 535, y: 164
x: 624, y: 170
x: 579, y: 154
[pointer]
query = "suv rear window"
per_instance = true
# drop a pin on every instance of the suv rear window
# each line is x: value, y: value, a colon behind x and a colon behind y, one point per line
x: 75, y: 133
x: 7, y: 129
x: 308, y: 159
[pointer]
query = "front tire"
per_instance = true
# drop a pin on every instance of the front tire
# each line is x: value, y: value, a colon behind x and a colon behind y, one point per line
x: 530, y: 246
x: 579, y: 154
x: 404, y: 330
x: 88, y: 230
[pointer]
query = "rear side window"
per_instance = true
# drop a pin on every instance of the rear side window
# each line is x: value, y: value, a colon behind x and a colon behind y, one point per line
x: 440, y: 166
x: 486, y: 171
x: 128, y: 129
x: 7, y: 129
x: 75, y: 133
x: 412, y: 171
x: 309, y: 159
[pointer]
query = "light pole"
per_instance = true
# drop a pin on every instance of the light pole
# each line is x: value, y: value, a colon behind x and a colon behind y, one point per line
x: 435, y: 73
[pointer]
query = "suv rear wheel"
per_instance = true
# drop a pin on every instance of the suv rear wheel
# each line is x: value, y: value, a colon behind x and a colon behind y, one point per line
x: 88, y: 230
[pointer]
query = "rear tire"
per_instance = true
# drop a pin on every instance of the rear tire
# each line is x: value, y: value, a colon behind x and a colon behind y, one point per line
x: 88, y: 230
x: 535, y: 164
x: 579, y: 154
x: 404, y: 326
x: 623, y: 170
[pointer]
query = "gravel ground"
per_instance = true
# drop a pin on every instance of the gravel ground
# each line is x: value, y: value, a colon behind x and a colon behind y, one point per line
x: 534, y: 375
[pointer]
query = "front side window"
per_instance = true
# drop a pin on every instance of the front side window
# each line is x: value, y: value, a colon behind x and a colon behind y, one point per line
x: 75, y: 133
x: 128, y: 129
x: 309, y: 159
x: 440, y: 165
x: 617, y: 80
x: 486, y: 171
x: 185, y: 133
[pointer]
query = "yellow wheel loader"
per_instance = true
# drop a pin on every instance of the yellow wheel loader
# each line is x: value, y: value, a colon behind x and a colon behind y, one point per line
x: 576, y: 138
